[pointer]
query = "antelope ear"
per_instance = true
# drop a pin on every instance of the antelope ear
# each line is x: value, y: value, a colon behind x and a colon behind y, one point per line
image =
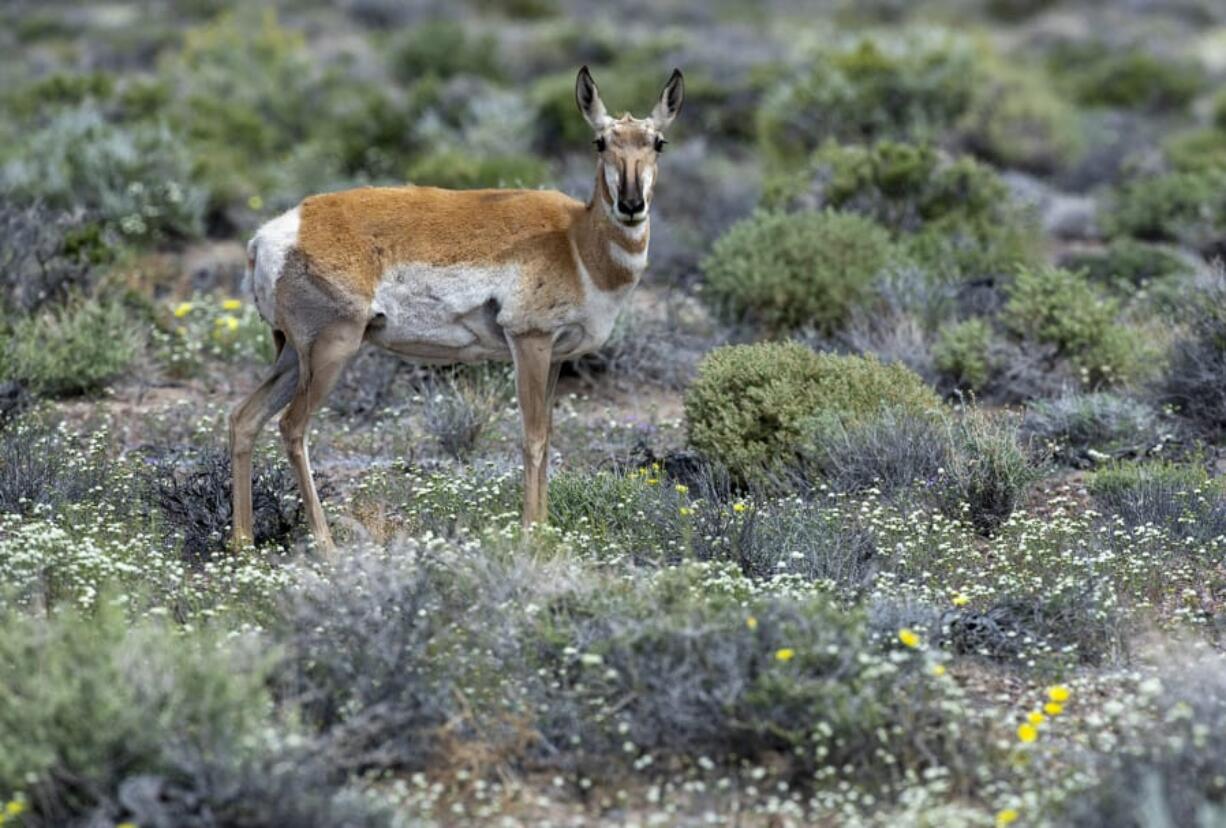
x: 587, y: 96
x: 670, y: 101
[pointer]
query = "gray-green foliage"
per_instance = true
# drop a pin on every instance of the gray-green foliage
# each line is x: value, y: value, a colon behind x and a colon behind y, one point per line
x: 1061, y: 308
x: 990, y: 471
x: 753, y: 406
x: 955, y: 216
x: 908, y: 88
x: 138, y: 179
x: 141, y: 724
x: 71, y: 349
x: 787, y: 271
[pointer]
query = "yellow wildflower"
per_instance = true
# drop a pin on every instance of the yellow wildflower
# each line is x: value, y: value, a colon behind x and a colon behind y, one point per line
x: 1006, y: 817
x: 681, y: 488
x: 14, y: 807
x: 751, y: 622
x: 1053, y: 708
x: 961, y: 599
x: 1058, y: 693
x: 1035, y: 718
x: 686, y: 512
x: 651, y: 481
x: 785, y: 654
x: 231, y: 304
x: 938, y: 669
x: 182, y: 309
x: 127, y: 825
x: 738, y: 507
x: 255, y: 203
x: 1027, y: 733
x: 909, y: 637
x: 228, y: 322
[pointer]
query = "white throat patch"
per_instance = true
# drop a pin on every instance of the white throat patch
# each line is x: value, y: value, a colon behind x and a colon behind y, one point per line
x: 631, y: 261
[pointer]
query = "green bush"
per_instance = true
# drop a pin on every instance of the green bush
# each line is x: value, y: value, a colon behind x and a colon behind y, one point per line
x: 788, y: 271
x: 909, y: 88
x: 151, y: 727
x: 56, y: 91
x: 442, y: 48
x: 753, y: 406
x: 955, y: 216
x: 266, y: 120
x: 1127, y: 264
x: 1016, y: 120
x: 138, y: 181
x: 961, y: 353
x: 674, y: 671
x: 1098, y: 74
x: 989, y: 472
x: 1197, y: 150
x: 74, y: 349
x: 95, y: 703
x: 457, y: 170
x: 1189, y: 208
x: 1059, y: 307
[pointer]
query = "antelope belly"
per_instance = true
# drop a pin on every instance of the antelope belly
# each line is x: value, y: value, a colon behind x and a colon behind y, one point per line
x: 443, y: 314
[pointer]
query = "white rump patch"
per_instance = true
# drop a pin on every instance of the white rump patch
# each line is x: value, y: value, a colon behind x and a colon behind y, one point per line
x: 269, y: 247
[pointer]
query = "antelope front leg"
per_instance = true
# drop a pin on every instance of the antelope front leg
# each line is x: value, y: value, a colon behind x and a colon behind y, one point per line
x: 533, y: 354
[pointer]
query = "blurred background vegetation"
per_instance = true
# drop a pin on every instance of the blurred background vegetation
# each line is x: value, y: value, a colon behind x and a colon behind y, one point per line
x: 919, y: 414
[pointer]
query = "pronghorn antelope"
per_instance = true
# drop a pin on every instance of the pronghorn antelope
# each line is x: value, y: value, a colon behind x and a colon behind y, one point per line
x: 449, y: 276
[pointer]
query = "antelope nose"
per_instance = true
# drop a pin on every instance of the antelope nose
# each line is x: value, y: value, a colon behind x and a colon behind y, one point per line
x: 630, y: 206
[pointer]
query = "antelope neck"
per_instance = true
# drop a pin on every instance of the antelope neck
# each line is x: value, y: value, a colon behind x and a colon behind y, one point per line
x: 614, y: 254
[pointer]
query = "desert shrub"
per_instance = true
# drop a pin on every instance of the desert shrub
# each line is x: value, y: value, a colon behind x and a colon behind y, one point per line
x: 58, y: 91
x: 906, y: 88
x: 193, y: 501
x: 989, y: 472
x: 1189, y: 208
x: 110, y: 723
x: 43, y: 467
x: 138, y: 180
x: 460, y: 406
x: 677, y: 673
x: 1194, y: 381
x: 961, y: 353
x: 751, y: 406
x: 45, y: 254
x: 891, y: 452
x: 73, y: 349
x: 1168, y: 770
x: 1014, y: 10
x: 1178, y: 497
x: 359, y: 648
x: 1196, y: 150
x: 442, y: 48
x: 1059, y: 307
x: 1099, y: 74
x: 266, y: 120
x: 1079, y: 429
x: 955, y: 216
x: 1127, y: 264
x: 457, y: 170
x: 1056, y: 629
x: 785, y: 271
x: 1016, y: 120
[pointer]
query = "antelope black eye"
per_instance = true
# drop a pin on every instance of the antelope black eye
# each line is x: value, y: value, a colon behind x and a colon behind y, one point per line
x: 601, y: 144
x: 660, y: 142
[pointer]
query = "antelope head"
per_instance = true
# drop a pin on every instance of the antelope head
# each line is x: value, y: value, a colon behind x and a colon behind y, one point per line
x: 627, y: 148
